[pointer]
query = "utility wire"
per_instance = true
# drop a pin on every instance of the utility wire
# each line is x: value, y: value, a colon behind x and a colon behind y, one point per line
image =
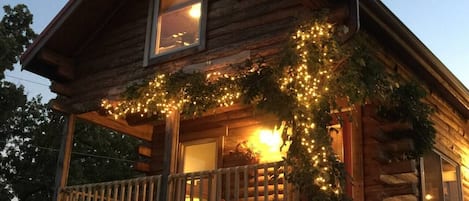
x: 81, y: 154
x: 26, y: 80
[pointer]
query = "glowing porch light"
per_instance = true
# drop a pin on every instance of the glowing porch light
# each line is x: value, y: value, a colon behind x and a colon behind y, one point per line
x: 428, y: 197
x: 270, y: 139
x: 195, y: 10
x: 267, y: 143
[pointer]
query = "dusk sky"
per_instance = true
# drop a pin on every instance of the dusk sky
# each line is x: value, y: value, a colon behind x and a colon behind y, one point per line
x: 442, y: 26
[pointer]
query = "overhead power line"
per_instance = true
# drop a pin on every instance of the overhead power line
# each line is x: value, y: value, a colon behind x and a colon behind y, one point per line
x: 81, y: 154
x: 26, y: 80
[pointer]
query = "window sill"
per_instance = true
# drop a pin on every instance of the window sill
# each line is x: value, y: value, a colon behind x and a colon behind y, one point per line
x: 157, y: 59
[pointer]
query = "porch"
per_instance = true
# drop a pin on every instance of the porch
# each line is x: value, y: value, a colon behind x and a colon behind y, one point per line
x: 248, y: 183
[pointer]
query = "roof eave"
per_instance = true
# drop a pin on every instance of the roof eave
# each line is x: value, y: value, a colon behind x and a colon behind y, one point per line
x: 32, y: 51
x: 428, y: 61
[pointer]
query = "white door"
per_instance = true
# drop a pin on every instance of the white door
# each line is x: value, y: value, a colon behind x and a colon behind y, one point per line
x: 198, y: 156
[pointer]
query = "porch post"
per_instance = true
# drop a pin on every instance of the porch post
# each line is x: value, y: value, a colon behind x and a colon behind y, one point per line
x: 63, y: 161
x: 170, y: 151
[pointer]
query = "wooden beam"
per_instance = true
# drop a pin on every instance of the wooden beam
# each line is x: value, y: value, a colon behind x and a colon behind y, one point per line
x: 143, y: 132
x: 144, y: 150
x: 65, y: 65
x: 170, y: 150
x: 61, y: 89
x: 63, y: 162
x: 142, y: 166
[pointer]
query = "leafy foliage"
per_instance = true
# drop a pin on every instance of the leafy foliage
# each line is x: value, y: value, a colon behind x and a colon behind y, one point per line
x: 404, y: 104
x: 33, y: 132
x: 311, y: 79
x: 30, y: 132
x: 15, y: 35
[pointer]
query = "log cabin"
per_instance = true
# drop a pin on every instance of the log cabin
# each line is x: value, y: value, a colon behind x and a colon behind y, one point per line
x: 93, y: 50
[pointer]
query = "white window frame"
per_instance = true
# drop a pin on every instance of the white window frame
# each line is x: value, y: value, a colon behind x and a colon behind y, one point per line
x: 447, y: 159
x: 153, y: 24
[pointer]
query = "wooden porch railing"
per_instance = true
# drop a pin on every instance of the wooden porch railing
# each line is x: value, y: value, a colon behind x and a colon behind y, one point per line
x: 260, y: 182
x: 143, y: 188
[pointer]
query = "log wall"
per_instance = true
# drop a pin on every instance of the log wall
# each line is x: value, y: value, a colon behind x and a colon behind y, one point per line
x: 234, y: 29
x: 451, y: 127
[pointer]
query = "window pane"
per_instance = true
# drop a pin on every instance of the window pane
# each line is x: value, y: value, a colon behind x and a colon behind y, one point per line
x: 200, y: 157
x: 167, y: 5
x: 178, y: 28
x: 432, y: 175
x: 450, y: 181
x: 336, y: 134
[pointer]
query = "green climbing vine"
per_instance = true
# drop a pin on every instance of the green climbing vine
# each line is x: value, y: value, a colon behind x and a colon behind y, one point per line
x: 313, y: 77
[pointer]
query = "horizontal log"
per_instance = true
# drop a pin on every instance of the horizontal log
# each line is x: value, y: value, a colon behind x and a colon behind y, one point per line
x: 402, y: 198
x: 65, y: 65
x: 393, y: 127
x: 400, y: 178
x: 143, y: 132
x: 399, y: 146
x: 399, y: 167
x: 400, y: 190
x: 142, y: 166
x: 144, y: 150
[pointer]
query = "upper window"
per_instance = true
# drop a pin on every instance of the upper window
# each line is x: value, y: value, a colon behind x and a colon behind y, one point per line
x: 440, y: 178
x: 176, y: 25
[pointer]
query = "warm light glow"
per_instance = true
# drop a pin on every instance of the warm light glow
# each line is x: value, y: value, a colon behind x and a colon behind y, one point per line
x: 428, y: 197
x: 267, y: 143
x: 195, y: 10
x: 155, y: 99
x: 271, y: 139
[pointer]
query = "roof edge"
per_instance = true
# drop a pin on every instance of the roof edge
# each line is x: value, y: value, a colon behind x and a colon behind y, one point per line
x: 47, y: 33
x: 430, y: 63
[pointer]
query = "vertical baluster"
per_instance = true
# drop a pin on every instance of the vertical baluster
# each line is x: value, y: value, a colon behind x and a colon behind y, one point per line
x: 122, y: 198
x: 266, y: 182
x: 201, y: 185
x: 88, y: 193
x: 276, y: 177
x: 171, y: 184
x: 129, y: 191
x: 209, y: 186
x: 176, y: 187
x: 63, y: 195
x: 286, y: 188
x: 227, y: 185
x: 246, y: 182
x: 158, y: 190
x: 108, y: 191
x: 144, y: 190
x: 115, y: 192
x: 137, y: 189
x: 70, y: 196
x: 236, y: 184
x: 219, y: 175
x: 182, y: 186
x: 151, y: 188
x: 102, y: 194
x: 95, y: 196
x: 77, y: 193
x: 256, y: 182
x: 80, y: 193
x: 191, y: 194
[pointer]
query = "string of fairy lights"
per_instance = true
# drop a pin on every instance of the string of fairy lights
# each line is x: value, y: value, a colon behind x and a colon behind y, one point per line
x: 306, y: 81
x: 156, y: 100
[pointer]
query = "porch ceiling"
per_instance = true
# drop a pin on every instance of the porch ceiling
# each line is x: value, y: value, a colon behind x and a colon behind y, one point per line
x: 143, y: 128
x: 52, y: 53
